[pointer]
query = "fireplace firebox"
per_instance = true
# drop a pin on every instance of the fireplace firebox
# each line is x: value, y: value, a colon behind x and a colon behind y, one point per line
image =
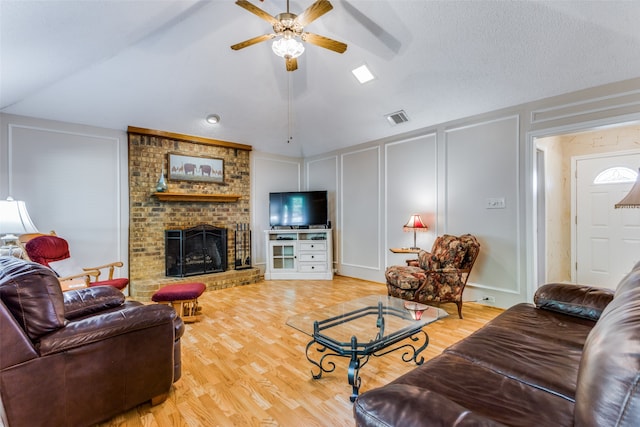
x: 197, y: 250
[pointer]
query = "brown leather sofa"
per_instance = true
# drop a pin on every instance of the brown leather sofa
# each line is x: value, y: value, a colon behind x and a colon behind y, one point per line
x: 570, y: 359
x: 81, y: 357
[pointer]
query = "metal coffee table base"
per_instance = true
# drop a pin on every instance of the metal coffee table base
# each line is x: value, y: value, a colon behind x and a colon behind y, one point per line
x: 359, y: 353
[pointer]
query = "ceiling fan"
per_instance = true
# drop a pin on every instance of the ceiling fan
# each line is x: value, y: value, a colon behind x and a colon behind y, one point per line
x: 288, y: 28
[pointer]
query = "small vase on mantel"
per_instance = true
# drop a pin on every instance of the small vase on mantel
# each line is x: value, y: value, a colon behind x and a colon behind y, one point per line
x: 161, y: 186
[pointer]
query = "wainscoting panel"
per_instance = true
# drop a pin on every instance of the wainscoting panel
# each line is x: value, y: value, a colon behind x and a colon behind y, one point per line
x: 482, y: 198
x: 411, y: 180
x: 360, y: 211
x: 70, y: 179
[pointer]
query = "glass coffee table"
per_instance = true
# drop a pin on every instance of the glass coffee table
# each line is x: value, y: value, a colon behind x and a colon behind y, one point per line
x: 358, y: 329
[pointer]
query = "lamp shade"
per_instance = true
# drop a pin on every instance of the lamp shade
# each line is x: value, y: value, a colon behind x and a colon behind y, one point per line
x: 631, y: 200
x: 415, y: 223
x: 14, y: 219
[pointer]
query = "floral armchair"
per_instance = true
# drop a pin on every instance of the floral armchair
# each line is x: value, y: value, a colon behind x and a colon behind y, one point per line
x: 438, y: 276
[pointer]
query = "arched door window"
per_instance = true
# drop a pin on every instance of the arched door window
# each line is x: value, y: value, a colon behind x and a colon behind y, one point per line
x: 616, y: 175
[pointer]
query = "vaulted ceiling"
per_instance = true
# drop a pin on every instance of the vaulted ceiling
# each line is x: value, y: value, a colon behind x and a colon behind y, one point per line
x: 167, y: 64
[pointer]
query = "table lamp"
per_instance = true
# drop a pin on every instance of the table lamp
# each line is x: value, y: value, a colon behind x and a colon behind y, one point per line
x: 14, y: 220
x: 415, y: 223
x: 631, y: 200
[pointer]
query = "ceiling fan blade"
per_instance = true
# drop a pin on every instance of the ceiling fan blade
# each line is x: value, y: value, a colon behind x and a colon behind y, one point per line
x: 313, y: 12
x: 292, y: 64
x: 252, y: 41
x: 324, y: 42
x: 257, y: 11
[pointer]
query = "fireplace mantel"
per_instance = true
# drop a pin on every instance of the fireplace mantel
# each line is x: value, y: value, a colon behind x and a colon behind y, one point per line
x: 195, y: 197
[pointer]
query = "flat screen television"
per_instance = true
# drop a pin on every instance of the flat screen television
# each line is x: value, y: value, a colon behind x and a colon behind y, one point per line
x: 298, y: 209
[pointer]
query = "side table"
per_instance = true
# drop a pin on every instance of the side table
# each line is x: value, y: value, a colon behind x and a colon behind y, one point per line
x: 405, y: 250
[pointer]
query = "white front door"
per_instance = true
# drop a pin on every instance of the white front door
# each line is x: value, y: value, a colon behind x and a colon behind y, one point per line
x: 607, y: 240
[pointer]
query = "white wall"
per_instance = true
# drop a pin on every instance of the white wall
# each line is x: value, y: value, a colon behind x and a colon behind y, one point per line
x: 269, y: 173
x: 446, y: 173
x: 74, y: 181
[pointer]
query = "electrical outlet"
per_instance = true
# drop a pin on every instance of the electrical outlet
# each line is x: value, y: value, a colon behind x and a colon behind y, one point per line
x: 488, y: 298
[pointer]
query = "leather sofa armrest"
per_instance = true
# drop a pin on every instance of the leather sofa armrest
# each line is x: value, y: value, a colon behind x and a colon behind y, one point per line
x: 408, y: 405
x: 583, y: 301
x: 104, y: 326
x: 82, y: 302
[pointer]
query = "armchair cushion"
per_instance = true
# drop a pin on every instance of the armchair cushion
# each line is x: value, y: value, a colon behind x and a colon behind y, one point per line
x: 32, y: 294
x: 47, y: 248
x: 448, y: 251
x: 119, y: 283
x: 406, y: 277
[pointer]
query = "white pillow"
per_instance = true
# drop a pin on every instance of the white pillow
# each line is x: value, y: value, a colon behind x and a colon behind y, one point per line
x: 65, y: 267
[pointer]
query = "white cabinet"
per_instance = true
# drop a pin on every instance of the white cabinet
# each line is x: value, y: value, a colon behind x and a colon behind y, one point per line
x: 299, y: 254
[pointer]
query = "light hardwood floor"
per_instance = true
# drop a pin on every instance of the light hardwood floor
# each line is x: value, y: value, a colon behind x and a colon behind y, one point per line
x: 243, y: 366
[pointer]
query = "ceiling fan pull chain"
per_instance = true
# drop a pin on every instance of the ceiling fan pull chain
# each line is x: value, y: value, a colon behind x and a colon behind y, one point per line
x: 290, y: 110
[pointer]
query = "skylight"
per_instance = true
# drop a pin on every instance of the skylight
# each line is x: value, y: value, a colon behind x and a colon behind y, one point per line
x: 363, y: 74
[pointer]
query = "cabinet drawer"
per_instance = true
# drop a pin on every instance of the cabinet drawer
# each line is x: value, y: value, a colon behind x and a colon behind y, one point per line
x: 312, y: 246
x: 308, y: 268
x: 318, y: 257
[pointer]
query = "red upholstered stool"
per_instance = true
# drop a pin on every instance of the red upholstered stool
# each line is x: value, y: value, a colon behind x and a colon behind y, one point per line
x: 183, y: 297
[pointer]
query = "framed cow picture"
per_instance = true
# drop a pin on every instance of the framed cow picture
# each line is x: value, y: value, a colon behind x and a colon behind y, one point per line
x: 195, y: 168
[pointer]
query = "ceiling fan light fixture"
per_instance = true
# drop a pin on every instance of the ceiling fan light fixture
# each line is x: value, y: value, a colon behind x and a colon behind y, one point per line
x: 287, y: 47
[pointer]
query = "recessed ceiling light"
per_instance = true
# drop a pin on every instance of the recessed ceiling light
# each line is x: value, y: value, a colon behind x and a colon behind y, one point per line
x: 213, y: 119
x: 363, y: 74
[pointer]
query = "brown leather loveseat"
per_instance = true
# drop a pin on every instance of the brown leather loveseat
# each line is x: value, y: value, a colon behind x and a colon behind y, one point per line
x: 570, y: 359
x: 81, y: 357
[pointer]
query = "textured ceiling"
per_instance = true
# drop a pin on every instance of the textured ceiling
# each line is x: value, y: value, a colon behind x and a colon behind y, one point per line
x: 167, y: 64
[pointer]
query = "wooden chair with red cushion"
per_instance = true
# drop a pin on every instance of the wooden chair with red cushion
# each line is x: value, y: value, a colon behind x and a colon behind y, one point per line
x: 52, y: 251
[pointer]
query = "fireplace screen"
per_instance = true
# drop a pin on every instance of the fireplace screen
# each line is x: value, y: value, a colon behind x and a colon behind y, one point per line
x: 197, y: 250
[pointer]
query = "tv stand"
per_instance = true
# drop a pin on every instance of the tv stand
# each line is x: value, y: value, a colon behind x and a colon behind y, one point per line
x: 299, y: 254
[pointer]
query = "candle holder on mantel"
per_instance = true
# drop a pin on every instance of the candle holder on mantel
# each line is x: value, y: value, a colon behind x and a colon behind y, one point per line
x: 161, y: 185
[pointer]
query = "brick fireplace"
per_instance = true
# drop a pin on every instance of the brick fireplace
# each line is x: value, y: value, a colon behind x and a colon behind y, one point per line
x: 185, y: 204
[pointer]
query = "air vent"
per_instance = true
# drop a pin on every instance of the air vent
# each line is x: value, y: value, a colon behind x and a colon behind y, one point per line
x: 397, y: 117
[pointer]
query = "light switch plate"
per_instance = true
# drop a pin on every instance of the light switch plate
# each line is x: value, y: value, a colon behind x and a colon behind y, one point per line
x: 495, y: 203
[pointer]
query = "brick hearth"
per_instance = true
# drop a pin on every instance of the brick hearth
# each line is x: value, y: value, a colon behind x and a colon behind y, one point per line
x: 150, y: 217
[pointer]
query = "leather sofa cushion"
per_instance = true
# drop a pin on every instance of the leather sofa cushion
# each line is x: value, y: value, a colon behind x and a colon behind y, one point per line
x: 415, y: 406
x: 577, y: 300
x: 485, y: 392
x: 96, y: 329
x: 546, y: 351
x: 83, y: 302
x: 609, y: 384
x: 33, y: 295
